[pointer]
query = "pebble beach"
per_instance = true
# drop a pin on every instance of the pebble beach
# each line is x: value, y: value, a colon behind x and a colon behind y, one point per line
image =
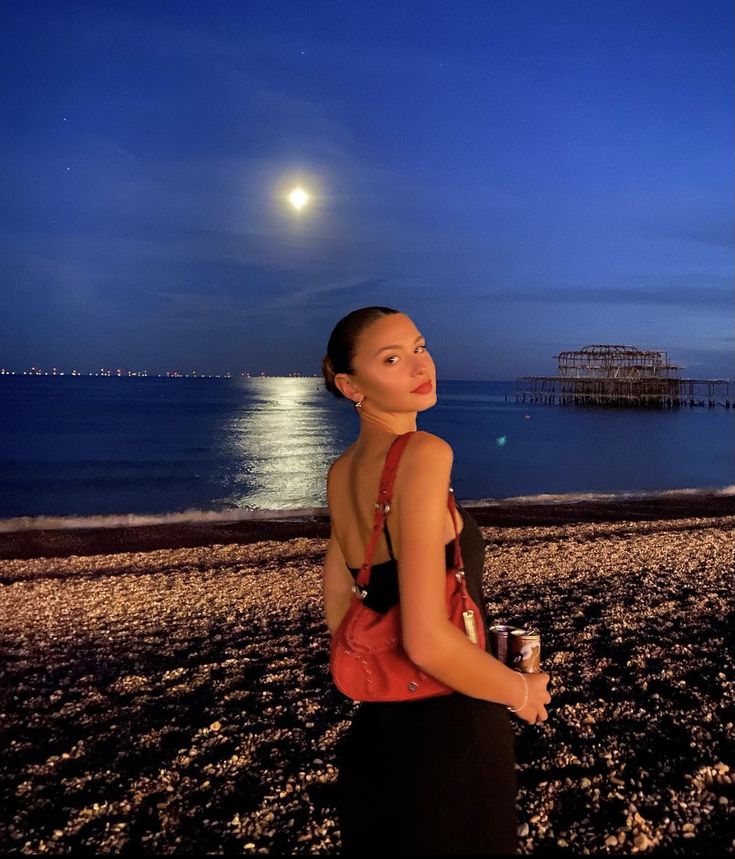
x: 167, y: 690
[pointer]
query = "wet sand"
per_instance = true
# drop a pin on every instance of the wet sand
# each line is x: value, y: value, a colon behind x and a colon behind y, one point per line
x: 166, y: 689
x: 538, y: 510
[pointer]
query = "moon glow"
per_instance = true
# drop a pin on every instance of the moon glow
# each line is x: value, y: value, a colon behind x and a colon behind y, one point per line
x: 298, y: 198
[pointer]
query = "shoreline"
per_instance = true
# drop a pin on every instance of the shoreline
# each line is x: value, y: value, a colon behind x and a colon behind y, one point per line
x: 123, y: 534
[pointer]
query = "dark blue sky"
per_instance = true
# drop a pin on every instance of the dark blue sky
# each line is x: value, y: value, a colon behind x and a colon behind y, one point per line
x: 521, y: 177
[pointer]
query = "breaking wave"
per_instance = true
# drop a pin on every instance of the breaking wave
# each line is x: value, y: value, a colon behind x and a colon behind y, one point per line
x: 131, y: 520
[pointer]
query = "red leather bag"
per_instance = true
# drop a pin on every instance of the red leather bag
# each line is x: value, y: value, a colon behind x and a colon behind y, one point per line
x: 367, y: 658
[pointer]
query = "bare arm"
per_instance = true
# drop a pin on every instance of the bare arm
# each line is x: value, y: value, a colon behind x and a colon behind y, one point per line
x: 430, y: 639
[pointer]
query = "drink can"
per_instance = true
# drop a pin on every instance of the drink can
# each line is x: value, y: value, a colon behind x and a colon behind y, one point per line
x: 524, y: 650
x: 499, y: 640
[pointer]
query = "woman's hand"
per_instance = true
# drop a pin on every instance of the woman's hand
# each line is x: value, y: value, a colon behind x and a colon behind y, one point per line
x: 533, y: 698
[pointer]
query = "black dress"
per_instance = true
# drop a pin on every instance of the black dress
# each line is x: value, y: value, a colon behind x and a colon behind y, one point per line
x: 435, y: 775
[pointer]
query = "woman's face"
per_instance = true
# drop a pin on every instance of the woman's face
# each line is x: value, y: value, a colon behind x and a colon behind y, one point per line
x: 391, y: 361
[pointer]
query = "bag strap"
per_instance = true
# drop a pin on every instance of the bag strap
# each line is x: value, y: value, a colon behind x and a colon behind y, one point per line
x: 382, y: 506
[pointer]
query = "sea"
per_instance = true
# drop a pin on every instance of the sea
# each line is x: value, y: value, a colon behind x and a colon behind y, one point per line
x: 107, y: 446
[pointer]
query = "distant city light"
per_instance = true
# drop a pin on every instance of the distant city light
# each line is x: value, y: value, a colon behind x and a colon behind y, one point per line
x: 121, y: 372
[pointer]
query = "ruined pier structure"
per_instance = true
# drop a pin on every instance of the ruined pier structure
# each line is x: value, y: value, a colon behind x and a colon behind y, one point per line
x: 622, y: 376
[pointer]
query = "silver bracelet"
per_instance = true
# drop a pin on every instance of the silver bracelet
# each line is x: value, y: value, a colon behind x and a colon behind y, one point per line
x: 525, y: 700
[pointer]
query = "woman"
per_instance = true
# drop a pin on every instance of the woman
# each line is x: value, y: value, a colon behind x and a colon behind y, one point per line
x: 435, y: 775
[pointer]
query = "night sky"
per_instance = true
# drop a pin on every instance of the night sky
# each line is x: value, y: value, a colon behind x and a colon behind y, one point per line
x: 520, y: 177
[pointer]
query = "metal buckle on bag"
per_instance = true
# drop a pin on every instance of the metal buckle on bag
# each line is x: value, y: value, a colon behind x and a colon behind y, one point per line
x: 359, y: 592
x: 469, y: 625
x: 383, y: 504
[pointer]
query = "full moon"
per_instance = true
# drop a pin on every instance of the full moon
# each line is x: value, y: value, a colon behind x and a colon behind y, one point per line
x: 298, y: 198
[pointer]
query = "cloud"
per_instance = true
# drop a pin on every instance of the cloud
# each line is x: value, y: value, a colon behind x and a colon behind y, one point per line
x: 360, y: 289
x: 204, y: 308
x: 95, y: 30
x: 716, y: 231
x: 704, y: 363
x: 714, y: 293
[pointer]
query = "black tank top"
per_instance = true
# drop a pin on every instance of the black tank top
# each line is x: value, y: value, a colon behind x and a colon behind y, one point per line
x: 383, y: 589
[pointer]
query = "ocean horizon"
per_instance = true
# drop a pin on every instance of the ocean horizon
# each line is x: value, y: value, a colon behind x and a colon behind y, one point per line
x: 87, y: 448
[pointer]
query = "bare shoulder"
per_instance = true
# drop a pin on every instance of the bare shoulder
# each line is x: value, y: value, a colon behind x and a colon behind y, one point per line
x: 338, y: 461
x: 427, y: 451
x: 420, y: 490
x: 427, y: 445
